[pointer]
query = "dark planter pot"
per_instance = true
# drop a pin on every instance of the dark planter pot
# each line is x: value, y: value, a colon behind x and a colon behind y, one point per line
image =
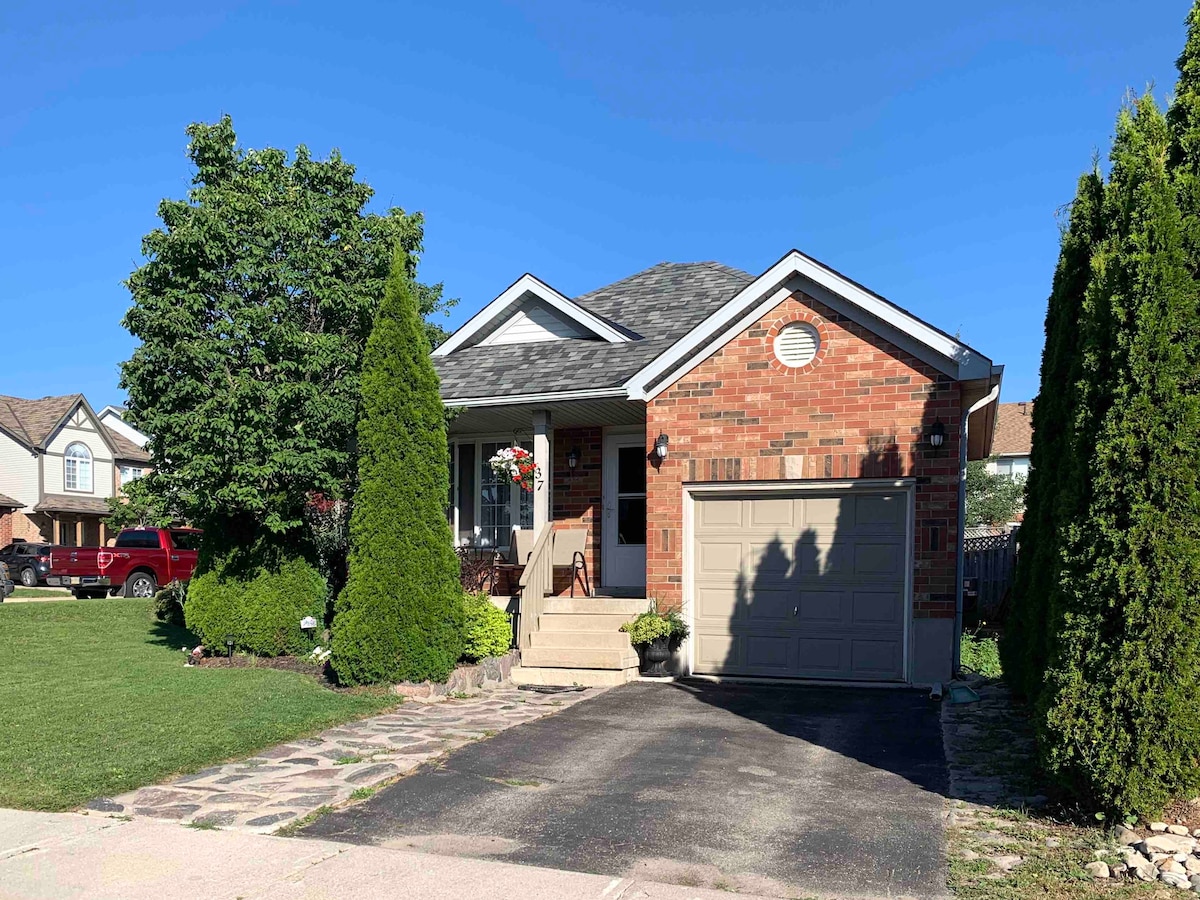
x: 654, y: 657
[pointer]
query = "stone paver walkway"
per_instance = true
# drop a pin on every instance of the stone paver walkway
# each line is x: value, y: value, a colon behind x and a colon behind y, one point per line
x: 287, y: 782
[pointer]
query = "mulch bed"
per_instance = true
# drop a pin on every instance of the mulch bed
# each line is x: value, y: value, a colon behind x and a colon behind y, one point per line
x: 284, y: 663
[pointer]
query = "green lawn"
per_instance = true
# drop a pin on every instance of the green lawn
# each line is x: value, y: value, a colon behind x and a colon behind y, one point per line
x: 37, y: 593
x: 95, y: 700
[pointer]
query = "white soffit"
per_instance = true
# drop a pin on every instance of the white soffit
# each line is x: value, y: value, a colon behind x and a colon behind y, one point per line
x: 528, y: 285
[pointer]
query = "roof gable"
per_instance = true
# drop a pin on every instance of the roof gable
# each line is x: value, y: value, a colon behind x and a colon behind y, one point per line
x: 525, y: 290
x: 796, y: 271
x: 33, y: 423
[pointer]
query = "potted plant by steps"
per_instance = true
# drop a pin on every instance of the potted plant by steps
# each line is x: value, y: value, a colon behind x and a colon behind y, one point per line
x: 655, y: 635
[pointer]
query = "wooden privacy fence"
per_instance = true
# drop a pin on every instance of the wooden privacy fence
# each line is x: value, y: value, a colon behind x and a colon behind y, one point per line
x: 988, y: 565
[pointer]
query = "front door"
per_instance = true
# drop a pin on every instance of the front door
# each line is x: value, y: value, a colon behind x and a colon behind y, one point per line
x: 623, y: 547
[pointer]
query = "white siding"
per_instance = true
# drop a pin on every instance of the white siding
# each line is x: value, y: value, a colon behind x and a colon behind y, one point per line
x: 534, y: 322
x: 102, y: 461
x: 18, y: 472
x: 1009, y: 465
x: 119, y: 425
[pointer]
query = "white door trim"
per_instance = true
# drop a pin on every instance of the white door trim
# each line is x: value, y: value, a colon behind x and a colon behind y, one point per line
x: 737, y: 488
x: 613, y: 439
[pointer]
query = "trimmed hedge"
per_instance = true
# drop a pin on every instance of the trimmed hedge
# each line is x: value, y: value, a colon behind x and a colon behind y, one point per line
x: 488, y: 628
x: 263, y: 613
x: 400, y: 617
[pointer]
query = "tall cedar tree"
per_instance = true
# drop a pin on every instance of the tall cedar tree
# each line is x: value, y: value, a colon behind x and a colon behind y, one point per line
x: 400, y: 616
x: 1024, y: 646
x: 1120, y: 727
x: 252, y: 312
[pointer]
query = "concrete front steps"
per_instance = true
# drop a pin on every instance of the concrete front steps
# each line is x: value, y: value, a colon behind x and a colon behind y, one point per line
x: 578, y: 642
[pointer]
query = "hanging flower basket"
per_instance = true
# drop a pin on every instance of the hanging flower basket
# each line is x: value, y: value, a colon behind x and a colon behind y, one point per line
x: 515, y: 465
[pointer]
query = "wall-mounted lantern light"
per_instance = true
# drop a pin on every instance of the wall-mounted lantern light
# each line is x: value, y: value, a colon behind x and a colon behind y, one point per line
x: 660, y: 446
x: 937, y: 434
x: 573, y: 457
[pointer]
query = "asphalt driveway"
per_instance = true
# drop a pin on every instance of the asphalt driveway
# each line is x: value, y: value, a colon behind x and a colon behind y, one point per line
x: 774, y: 790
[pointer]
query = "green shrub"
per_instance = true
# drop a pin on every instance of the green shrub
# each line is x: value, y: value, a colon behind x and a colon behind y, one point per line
x: 981, y: 654
x: 488, y: 628
x: 400, y: 617
x: 262, y: 613
x: 168, y: 603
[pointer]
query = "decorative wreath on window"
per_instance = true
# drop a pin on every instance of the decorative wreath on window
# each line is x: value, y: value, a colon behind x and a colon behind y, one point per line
x: 515, y: 465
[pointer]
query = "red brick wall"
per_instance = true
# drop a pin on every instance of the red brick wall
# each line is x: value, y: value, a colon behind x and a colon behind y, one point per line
x: 6, y: 527
x: 861, y: 409
x: 577, y: 500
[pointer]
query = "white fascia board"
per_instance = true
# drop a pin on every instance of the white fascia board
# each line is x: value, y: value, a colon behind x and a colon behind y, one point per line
x: 747, y: 306
x: 550, y: 397
x: 528, y: 284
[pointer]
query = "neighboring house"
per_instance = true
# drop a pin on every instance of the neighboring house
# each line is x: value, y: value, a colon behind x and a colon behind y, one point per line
x: 58, y: 465
x: 1014, y: 437
x: 805, y: 516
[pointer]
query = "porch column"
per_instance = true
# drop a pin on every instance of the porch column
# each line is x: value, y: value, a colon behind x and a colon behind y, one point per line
x: 79, y: 532
x: 541, y: 458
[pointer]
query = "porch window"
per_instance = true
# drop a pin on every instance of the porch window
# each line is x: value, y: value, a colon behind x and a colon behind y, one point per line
x: 486, y: 509
x: 77, y: 473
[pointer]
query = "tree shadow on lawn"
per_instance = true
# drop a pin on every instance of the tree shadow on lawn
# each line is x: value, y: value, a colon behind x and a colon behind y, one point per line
x: 174, y: 637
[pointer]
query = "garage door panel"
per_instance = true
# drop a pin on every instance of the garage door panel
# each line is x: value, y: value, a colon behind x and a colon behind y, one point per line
x: 822, y: 656
x: 768, y: 653
x: 771, y: 604
x: 878, y: 559
x: 879, y: 512
x: 821, y: 608
x: 876, y: 608
x: 719, y: 557
x: 801, y: 586
x: 717, y: 602
x: 718, y: 513
x: 875, y: 659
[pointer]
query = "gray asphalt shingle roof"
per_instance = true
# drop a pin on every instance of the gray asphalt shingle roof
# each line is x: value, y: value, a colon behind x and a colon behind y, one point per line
x: 659, y: 305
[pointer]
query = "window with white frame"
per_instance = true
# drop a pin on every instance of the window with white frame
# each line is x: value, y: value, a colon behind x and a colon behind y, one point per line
x: 486, y: 509
x: 131, y: 473
x: 77, y: 468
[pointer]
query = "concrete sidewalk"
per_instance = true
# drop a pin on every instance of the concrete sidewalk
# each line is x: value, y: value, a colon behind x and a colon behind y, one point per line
x: 53, y: 856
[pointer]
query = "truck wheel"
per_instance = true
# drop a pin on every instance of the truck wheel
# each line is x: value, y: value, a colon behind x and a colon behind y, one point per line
x: 28, y: 577
x: 140, y: 584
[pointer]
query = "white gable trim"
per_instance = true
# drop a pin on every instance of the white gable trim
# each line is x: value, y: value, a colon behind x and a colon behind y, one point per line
x: 527, y: 284
x: 772, y: 287
x: 534, y: 322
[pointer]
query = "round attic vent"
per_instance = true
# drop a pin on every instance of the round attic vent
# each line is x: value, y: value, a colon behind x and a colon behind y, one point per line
x: 797, y: 344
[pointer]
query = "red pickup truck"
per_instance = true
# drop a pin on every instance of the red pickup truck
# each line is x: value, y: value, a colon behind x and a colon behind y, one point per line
x: 137, y: 563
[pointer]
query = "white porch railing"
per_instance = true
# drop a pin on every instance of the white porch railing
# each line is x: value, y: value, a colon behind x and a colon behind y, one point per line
x: 537, y: 582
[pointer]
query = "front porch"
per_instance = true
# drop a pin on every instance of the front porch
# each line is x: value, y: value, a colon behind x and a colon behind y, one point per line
x: 592, y: 458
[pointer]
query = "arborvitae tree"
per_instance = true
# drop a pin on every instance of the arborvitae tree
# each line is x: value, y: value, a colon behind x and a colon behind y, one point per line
x: 1024, y: 646
x: 400, y: 616
x: 1120, y: 725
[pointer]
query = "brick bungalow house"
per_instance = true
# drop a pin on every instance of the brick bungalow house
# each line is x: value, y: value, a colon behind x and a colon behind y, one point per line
x: 58, y: 465
x: 779, y: 456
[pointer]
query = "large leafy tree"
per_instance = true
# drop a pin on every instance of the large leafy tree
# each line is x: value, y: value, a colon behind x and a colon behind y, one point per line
x: 1119, y: 724
x: 400, y: 616
x: 252, y: 311
x: 992, y: 498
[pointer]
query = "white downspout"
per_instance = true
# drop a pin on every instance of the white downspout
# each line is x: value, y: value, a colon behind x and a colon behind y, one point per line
x: 962, y: 522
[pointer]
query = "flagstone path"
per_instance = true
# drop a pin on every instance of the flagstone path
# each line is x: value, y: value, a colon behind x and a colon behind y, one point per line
x: 286, y: 783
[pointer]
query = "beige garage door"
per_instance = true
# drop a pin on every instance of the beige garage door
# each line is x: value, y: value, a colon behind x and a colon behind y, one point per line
x: 801, y: 584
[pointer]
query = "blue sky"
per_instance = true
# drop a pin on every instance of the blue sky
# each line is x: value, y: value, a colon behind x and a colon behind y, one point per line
x: 922, y: 149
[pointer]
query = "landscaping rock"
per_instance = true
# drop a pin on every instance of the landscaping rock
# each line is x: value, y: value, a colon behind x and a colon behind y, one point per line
x: 1195, y: 882
x: 1097, y: 869
x: 1125, y: 836
x: 1006, y: 863
x: 1170, y: 844
x: 1118, y: 869
x: 1176, y: 881
x: 1158, y: 826
x: 1192, y: 865
x: 1170, y: 865
x: 1178, y: 829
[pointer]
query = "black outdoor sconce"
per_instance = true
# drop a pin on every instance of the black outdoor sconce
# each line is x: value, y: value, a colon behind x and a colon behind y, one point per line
x: 937, y: 435
x: 660, y: 446
x: 573, y: 457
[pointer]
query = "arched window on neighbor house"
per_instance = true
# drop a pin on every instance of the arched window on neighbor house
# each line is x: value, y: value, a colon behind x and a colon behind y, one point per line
x: 78, y: 468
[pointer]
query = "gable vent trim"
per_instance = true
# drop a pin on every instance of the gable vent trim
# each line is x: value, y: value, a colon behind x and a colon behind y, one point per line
x: 797, y: 344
